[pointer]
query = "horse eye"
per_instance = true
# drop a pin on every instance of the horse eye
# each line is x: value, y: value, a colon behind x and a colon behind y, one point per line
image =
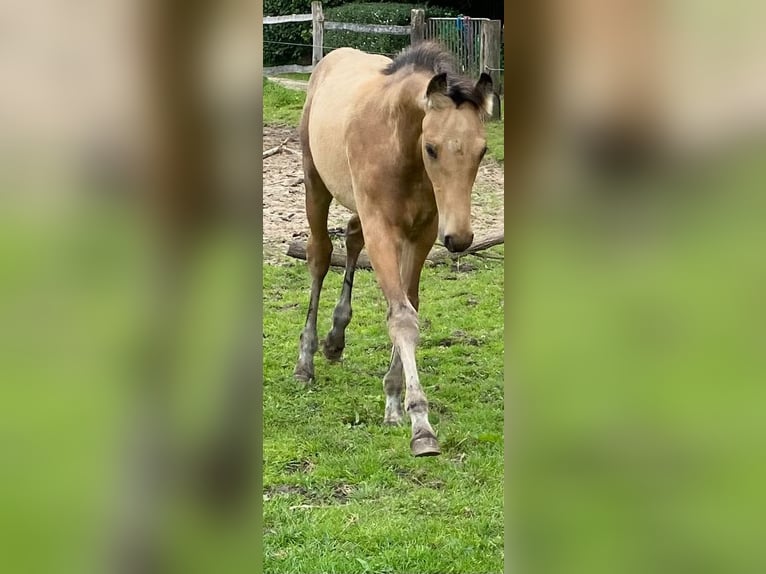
x: 431, y: 151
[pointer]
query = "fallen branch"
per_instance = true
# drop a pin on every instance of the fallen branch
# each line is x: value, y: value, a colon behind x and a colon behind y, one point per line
x: 297, y: 249
x: 276, y: 150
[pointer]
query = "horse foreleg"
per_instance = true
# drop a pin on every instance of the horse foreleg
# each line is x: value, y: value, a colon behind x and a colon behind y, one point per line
x: 390, y: 254
x: 335, y: 341
x: 318, y: 252
x: 393, y: 383
x: 411, y: 264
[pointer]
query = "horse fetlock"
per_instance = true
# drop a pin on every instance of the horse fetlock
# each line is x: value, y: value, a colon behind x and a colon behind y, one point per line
x: 416, y: 404
x: 341, y: 317
x: 393, y: 418
x: 309, y: 343
x: 393, y: 414
x: 392, y: 385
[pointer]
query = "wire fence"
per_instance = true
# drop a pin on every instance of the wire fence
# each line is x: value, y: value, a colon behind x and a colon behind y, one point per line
x: 328, y: 48
x: 476, y: 43
x: 463, y: 36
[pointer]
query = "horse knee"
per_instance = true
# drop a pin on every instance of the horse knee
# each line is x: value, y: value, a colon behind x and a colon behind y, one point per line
x: 403, y: 327
x: 318, y: 253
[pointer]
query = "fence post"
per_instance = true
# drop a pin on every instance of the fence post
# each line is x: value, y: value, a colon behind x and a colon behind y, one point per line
x: 317, y: 32
x: 491, y: 33
x: 417, y: 26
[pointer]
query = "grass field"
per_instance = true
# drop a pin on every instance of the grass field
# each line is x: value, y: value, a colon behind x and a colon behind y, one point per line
x: 638, y: 325
x: 71, y: 308
x: 343, y: 493
x: 304, y: 77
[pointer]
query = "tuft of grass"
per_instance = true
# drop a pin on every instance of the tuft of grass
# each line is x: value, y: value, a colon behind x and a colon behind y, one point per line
x: 341, y: 491
x: 304, y: 77
x: 281, y: 105
x: 496, y: 136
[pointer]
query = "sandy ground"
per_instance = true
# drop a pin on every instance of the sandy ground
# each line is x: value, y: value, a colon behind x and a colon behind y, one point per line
x: 284, y: 218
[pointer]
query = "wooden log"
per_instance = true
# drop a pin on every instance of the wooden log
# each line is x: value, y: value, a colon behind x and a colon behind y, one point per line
x: 297, y: 249
x: 276, y: 150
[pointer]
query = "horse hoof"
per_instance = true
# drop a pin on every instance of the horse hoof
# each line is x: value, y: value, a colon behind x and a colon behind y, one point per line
x: 332, y: 354
x: 302, y: 375
x: 425, y: 446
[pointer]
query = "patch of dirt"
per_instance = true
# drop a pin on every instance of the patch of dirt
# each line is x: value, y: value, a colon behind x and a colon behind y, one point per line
x: 284, y: 215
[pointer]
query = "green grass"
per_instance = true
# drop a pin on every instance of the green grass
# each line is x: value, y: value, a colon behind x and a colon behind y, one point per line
x: 496, y: 136
x: 281, y: 105
x: 639, y: 336
x: 296, y: 76
x: 70, y: 323
x: 342, y: 492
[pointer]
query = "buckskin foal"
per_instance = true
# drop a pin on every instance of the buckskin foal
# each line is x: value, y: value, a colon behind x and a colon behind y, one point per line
x: 398, y: 143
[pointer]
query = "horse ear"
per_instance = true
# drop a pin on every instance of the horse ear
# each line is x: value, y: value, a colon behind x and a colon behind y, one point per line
x: 437, y: 85
x: 484, y: 87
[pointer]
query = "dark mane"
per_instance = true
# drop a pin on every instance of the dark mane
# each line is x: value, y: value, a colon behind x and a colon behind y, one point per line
x: 434, y: 58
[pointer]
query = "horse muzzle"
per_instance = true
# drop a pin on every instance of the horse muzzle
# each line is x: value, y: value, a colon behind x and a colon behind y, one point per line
x: 456, y: 243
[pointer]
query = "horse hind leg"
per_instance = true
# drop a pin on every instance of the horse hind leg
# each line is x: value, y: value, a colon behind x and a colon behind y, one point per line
x: 335, y: 341
x: 318, y: 252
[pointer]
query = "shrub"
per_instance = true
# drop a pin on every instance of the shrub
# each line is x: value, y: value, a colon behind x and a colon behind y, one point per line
x: 390, y: 14
x: 291, y: 43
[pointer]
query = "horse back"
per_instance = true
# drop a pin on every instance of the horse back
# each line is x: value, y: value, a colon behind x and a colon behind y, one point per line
x: 340, y: 84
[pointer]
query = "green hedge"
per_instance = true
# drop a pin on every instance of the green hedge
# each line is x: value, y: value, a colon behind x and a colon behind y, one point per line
x: 388, y: 14
x: 291, y: 43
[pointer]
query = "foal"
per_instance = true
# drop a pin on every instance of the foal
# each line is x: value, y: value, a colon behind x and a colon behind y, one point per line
x: 398, y: 143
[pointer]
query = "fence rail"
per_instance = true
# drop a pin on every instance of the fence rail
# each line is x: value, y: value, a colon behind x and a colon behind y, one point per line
x: 287, y: 19
x: 476, y: 42
x: 368, y: 28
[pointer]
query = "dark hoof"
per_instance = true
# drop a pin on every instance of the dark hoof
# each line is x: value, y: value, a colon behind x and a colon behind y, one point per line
x: 331, y: 352
x: 303, y: 375
x: 425, y: 446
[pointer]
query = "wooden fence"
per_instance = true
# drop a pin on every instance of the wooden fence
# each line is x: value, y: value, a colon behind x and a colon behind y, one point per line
x: 475, y: 42
x: 485, y: 58
x: 416, y: 32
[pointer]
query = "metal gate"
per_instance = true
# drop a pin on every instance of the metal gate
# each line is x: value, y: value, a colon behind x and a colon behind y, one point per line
x: 467, y: 38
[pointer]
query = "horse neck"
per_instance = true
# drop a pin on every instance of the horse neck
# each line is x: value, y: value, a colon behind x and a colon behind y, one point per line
x: 404, y: 100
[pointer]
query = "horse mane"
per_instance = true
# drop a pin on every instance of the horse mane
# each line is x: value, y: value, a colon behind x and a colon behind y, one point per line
x: 433, y: 58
